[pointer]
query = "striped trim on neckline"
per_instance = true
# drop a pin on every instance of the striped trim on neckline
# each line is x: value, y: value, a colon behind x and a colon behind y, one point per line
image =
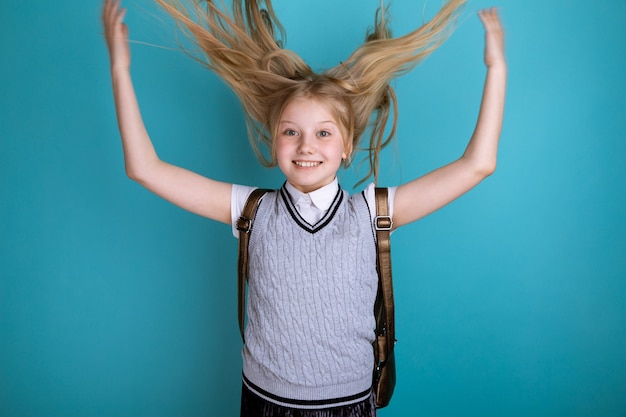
x: 323, y: 222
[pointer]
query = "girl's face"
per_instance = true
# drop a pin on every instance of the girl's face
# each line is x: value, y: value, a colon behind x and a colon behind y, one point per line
x: 309, y: 145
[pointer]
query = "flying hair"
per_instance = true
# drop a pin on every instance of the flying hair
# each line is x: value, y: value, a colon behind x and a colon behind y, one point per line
x: 245, y: 47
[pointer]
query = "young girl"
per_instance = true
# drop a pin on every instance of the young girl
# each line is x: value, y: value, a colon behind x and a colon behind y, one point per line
x: 313, y: 281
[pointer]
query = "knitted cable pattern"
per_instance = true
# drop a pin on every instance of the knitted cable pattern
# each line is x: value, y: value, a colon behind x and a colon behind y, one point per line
x: 311, y: 295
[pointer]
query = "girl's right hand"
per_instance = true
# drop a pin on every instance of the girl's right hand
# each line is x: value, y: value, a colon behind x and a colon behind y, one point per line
x: 116, y: 34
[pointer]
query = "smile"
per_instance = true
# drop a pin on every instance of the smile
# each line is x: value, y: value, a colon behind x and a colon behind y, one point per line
x: 306, y: 164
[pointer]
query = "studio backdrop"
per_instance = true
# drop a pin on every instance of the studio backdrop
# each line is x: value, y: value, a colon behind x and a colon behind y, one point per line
x: 511, y: 301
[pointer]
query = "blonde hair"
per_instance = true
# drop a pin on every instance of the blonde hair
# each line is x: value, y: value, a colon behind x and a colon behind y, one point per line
x: 245, y: 48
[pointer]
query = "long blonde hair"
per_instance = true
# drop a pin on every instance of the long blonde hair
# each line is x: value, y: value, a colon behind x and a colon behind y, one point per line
x: 245, y: 48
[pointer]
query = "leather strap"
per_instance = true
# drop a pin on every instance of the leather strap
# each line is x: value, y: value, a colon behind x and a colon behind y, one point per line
x: 244, y: 225
x: 384, y: 307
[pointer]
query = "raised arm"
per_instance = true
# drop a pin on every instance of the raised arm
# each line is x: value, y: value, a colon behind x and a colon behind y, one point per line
x: 434, y: 190
x: 184, y: 188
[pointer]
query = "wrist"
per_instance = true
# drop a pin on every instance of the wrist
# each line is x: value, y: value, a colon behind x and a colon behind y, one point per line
x: 119, y: 69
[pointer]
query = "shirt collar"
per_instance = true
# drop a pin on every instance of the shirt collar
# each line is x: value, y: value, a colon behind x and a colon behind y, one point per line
x: 321, y: 198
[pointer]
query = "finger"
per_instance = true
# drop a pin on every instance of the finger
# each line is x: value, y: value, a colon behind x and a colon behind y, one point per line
x: 482, y: 14
x: 488, y: 13
x: 493, y: 16
x: 106, y: 9
x: 109, y: 10
x: 112, y: 8
x: 120, y: 16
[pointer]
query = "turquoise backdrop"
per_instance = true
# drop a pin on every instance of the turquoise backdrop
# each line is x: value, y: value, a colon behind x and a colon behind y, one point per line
x: 510, y: 302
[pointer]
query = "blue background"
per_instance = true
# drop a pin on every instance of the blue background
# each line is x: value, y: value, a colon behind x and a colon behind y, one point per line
x: 510, y: 301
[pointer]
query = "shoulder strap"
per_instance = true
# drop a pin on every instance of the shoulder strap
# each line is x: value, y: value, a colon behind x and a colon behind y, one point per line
x: 384, y: 307
x: 244, y: 225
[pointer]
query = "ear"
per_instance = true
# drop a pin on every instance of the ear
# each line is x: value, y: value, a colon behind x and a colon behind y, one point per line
x: 347, y: 151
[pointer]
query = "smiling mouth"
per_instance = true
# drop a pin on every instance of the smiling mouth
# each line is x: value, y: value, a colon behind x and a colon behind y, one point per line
x: 307, y: 164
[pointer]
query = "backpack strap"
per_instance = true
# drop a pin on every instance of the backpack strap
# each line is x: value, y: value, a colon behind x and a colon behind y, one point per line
x: 244, y: 225
x: 384, y: 307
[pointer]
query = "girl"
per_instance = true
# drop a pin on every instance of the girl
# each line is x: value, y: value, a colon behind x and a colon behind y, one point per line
x: 313, y: 280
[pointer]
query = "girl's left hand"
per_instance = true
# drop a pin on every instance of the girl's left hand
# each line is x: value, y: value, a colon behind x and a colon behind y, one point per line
x: 494, y: 36
x: 116, y: 34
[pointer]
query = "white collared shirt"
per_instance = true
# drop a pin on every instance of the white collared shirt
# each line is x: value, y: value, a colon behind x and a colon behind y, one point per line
x: 314, y: 205
x: 311, y: 206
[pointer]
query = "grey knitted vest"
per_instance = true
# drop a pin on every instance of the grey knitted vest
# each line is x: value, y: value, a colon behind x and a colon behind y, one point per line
x: 310, y: 302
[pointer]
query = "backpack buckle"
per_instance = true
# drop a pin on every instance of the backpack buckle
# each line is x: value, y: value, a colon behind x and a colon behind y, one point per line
x: 244, y: 224
x: 383, y: 223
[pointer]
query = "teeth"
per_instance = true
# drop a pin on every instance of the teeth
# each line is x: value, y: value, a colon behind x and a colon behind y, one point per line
x: 307, y: 164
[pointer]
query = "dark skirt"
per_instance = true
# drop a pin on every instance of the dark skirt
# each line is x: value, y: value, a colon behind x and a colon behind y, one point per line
x: 254, y: 406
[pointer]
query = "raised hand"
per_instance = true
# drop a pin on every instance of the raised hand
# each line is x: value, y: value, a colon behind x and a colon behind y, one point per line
x: 494, y: 36
x: 116, y: 34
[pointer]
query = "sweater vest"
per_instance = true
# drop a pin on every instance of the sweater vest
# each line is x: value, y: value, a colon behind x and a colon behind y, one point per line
x: 310, y: 303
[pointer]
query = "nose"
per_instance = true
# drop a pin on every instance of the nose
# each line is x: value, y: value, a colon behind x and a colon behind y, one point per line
x: 306, y: 145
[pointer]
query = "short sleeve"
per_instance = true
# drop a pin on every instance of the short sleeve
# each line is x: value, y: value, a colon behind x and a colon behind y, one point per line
x: 370, y: 197
x: 238, y: 198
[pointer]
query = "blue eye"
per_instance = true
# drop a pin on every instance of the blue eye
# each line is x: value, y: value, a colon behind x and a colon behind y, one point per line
x: 290, y: 132
x: 324, y: 133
